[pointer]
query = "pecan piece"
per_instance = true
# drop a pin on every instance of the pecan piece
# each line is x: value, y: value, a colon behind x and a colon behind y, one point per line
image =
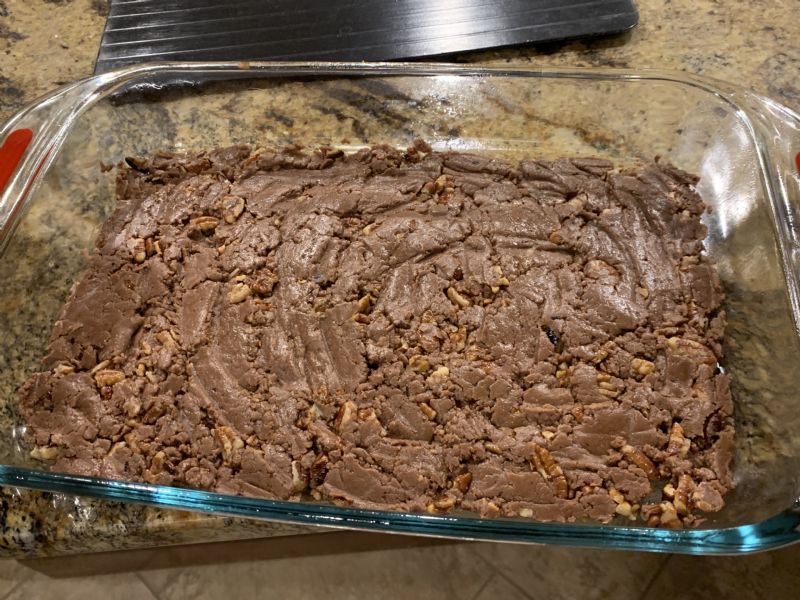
x: 265, y: 283
x: 299, y: 477
x: 63, y: 369
x: 440, y: 373
x: 165, y: 337
x: 426, y: 408
x: 107, y: 377
x: 239, y: 293
x: 669, y: 515
x: 441, y: 505
x: 492, y: 447
x: 642, y: 367
x: 641, y: 460
x: 139, y: 251
x: 232, y: 208
x: 624, y: 507
x: 345, y: 414
x: 462, y: 482
x: 99, y: 367
x: 44, y: 453
x: 206, y: 224
x: 548, y: 468
x: 157, y: 464
x: 457, y: 298
x: 459, y: 338
x: 419, y: 364
x: 678, y: 444
x: 683, y: 494
x: 364, y: 304
x: 228, y: 440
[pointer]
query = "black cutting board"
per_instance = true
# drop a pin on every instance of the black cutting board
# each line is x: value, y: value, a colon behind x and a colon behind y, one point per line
x: 349, y: 30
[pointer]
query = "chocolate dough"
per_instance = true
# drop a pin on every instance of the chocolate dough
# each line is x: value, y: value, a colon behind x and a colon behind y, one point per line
x: 413, y: 331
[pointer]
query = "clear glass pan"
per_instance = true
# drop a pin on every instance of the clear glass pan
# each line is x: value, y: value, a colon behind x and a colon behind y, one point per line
x: 744, y: 147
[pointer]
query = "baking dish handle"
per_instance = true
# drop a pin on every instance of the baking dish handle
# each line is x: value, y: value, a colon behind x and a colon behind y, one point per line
x: 28, y: 143
x: 777, y: 135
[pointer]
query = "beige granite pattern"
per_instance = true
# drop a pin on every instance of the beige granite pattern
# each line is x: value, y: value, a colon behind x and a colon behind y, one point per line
x: 44, y: 43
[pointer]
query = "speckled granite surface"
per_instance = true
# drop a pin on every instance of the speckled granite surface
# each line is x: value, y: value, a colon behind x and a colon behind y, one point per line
x: 49, y: 42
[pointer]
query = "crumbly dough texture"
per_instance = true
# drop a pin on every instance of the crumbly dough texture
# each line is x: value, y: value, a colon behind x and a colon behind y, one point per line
x: 413, y: 331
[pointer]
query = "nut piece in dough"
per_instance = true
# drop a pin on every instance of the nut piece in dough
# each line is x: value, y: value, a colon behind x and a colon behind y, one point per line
x: 106, y: 377
x: 457, y: 298
x: 239, y: 293
x: 232, y: 208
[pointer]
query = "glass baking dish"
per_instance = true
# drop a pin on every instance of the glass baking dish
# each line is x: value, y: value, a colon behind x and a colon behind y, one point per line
x: 743, y: 146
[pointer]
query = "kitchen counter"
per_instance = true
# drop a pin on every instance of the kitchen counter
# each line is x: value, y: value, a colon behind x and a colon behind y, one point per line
x: 50, y: 42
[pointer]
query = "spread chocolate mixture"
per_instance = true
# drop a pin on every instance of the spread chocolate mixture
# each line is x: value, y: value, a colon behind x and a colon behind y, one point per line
x: 398, y: 330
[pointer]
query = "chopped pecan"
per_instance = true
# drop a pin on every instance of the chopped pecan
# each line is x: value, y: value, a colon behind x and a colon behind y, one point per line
x: 624, y: 508
x: 299, y: 477
x: 63, y: 369
x: 166, y: 338
x: 678, y: 444
x: 500, y: 280
x: 641, y: 460
x: 459, y: 338
x: 688, y: 261
x: 492, y: 447
x: 229, y: 441
x: 441, y: 505
x: 642, y: 367
x: 457, y: 298
x: 206, y: 224
x: 157, y: 464
x: 105, y: 377
x: 364, y: 304
x: 44, y: 453
x: 232, y: 208
x: 239, y: 293
x: 426, y: 408
x: 99, y: 366
x: 419, y: 364
x: 616, y: 495
x: 440, y: 373
x: 345, y: 414
x: 440, y: 183
x: 264, y: 283
x: 152, y: 247
x: 577, y: 412
x: 139, y: 251
x: 549, y: 469
x: 669, y: 515
x: 462, y: 482
x: 683, y: 494
x: 606, y: 387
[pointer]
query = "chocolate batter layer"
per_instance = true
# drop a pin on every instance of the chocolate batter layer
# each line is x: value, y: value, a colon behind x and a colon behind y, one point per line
x: 409, y: 331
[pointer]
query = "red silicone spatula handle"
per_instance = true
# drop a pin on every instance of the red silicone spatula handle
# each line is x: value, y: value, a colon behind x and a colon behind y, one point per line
x: 11, y: 153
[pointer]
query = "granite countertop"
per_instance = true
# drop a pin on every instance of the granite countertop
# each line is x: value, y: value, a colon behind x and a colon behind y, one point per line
x: 51, y: 42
